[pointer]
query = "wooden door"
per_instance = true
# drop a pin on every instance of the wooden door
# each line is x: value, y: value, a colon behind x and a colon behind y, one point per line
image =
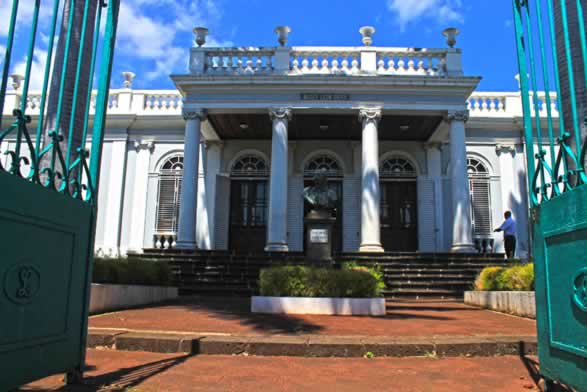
x: 399, y: 219
x: 248, y: 216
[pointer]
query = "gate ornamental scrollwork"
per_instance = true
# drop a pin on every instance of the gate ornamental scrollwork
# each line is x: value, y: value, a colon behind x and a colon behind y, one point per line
x: 580, y: 289
x: 22, y: 283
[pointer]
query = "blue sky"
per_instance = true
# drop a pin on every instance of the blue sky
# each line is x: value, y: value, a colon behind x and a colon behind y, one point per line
x: 154, y: 35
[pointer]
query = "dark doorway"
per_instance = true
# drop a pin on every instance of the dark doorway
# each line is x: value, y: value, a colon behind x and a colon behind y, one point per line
x: 248, y: 216
x: 399, y: 219
x: 336, y: 186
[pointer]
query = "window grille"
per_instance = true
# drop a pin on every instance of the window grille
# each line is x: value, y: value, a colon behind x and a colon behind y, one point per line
x: 168, y: 195
x: 479, y: 185
x: 250, y: 166
x: 323, y: 164
x: 397, y: 167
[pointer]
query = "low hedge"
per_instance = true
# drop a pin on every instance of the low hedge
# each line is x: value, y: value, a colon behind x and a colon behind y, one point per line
x: 136, y: 271
x: 302, y: 281
x: 515, y: 278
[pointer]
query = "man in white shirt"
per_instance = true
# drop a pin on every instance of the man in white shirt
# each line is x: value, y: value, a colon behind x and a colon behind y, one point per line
x: 509, y: 234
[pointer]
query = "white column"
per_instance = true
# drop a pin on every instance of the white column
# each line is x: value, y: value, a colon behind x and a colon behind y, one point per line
x: 144, y: 149
x: 277, y: 217
x: 506, y: 154
x: 434, y: 158
x: 462, y: 230
x: 186, y: 236
x: 115, y: 190
x: 370, y: 193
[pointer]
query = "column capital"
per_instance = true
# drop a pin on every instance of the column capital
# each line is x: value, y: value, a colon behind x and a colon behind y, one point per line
x: 194, y: 114
x: 280, y: 113
x: 370, y: 114
x: 505, y: 148
x: 433, y: 146
x: 458, y: 115
x: 140, y: 144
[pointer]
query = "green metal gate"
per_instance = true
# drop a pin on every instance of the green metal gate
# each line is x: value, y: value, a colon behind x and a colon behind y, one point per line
x: 552, y: 52
x: 49, y: 185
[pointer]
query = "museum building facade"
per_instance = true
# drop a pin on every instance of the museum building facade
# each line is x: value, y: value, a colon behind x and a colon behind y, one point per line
x: 419, y: 161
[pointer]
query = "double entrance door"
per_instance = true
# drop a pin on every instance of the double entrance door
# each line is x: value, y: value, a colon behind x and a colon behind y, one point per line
x: 399, y: 220
x: 248, y: 215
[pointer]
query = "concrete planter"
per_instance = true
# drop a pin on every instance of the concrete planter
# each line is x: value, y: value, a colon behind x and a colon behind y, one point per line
x: 108, y: 297
x: 326, y: 306
x: 519, y: 303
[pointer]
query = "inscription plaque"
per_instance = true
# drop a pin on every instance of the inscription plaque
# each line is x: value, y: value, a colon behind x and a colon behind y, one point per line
x: 319, y: 236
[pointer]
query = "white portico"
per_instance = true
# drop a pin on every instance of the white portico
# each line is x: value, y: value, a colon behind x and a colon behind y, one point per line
x: 357, y: 98
x: 418, y: 160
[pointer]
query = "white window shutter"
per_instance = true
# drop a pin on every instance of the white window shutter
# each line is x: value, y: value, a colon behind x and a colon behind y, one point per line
x: 481, y: 206
x: 426, y: 216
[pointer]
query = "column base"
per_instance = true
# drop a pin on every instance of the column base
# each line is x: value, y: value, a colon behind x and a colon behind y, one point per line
x: 463, y: 248
x: 275, y: 247
x: 186, y: 245
x: 371, y: 248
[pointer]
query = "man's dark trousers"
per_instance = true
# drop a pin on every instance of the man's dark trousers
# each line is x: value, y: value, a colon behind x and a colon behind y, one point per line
x: 510, y: 246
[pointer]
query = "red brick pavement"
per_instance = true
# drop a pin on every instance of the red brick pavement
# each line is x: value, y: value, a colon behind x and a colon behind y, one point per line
x: 231, y: 316
x: 147, y: 372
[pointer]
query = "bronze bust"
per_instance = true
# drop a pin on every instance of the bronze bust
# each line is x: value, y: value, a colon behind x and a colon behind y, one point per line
x: 319, y: 196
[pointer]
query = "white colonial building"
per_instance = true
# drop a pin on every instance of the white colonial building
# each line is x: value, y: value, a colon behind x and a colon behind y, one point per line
x: 418, y: 159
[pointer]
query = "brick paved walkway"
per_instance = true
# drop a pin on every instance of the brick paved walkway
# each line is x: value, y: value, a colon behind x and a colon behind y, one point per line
x: 146, y: 372
x: 232, y: 316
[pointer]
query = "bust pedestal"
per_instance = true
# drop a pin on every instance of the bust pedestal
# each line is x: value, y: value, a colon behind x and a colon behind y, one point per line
x: 319, y: 225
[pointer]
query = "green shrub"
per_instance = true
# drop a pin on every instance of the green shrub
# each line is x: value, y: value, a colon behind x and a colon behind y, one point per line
x: 301, y: 281
x: 136, y: 271
x: 515, y: 278
x: 486, y: 281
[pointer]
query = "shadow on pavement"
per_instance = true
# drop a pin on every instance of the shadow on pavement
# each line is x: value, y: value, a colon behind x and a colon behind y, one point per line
x: 120, y: 380
x: 240, y: 309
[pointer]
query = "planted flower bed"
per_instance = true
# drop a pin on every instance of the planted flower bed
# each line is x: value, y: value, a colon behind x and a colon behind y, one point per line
x: 508, y: 290
x: 121, y: 283
x: 352, y: 290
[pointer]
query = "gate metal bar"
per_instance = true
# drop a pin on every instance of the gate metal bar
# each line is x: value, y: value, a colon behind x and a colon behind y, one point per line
x: 567, y: 171
x: 557, y: 186
x: 60, y: 165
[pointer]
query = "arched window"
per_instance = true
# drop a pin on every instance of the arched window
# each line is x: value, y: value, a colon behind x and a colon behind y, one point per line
x: 323, y: 164
x: 397, y: 167
x: 250, y: 165
x: 479, y: 185
x: 168, y: 195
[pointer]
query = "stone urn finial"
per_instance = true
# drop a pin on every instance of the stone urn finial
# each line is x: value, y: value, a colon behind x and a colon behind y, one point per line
x: 282, y: 34
x: 16, y: 81
x: 367, y: 33
x: 201, y: 33
x: 451, y: 34
x: 128, y: 78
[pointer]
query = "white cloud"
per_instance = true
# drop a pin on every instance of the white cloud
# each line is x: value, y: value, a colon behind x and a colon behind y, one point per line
x: 159, y: 31
x: 24, y: 15
x: 37, y: 69
x: 442, y: 11
x: 2, y: 53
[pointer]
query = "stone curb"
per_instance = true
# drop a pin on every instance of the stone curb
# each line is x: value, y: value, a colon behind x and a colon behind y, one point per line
x: 314, y: 345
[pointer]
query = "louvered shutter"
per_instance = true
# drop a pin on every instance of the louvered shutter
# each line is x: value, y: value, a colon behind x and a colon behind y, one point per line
x: 168, y: 203
x: 426, y: 216
x: 481, y: 206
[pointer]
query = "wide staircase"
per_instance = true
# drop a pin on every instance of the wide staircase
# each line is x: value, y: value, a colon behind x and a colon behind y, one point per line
x: 410, y: 276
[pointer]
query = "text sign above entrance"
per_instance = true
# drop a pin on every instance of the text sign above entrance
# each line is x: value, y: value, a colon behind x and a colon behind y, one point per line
x: 325, y: 97
x: 319, y: 236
